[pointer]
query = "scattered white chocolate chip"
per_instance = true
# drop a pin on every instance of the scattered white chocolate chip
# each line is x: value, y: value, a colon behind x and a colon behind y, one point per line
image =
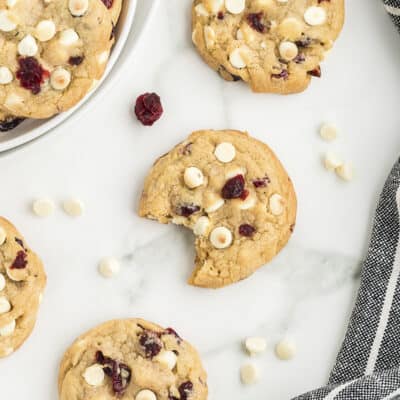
x: 288, y: 50
x: 328, y: 132
x: 68, y: 37
x: 221, y: 237
x: 109, y: 267
x: 94, y: 375
x: 43, y: 207
x: 7, y: 23
x: 285, y: 349
x: 249, y: 374
x: 193, y: 177
x: 276, y: 204
x: 27, y: 46
x: 201, y: 226
x: 103, y: 57
x: 332, y: 161
x: 60, y: 78
x: 45, y: 30
x: 73, y: 207
x: 6, y: 76
x: 345, y: 172
x: 167, y: 358
x: 7, y: 330
x: 201, y: 10
x: 235, y: 6
x: 225, y: 152
x: 214, y: 203
x: 78, y: 7
x: 11, y: 3
x: 5, y: 305
x: 249, y: 202
x: 3, y: 235
x: 146, y: 394
x: 255, y: 345
x: 236, y: 59
x: 2, y: 282
x: 315, y: 15
x: 290, y: 28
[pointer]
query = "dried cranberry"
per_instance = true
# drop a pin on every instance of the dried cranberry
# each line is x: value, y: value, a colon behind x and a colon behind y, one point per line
x: 108, y: 3
x: 20, y: 242
x: 186, y: 210
x: 170, y: 331
x: 300, y: 58
x: 315, y: 72
x: 247, y: 230
x: 76, y: 60
x: 185, y: 389
x: 221, y: 15
x: 245, y: 194
x: 20, y: 261
x: 187, y: 149
x: 233, y: 188
x: 31, y: 74
x: 284, y: 74
x: 9, y: 123
x: 151, y: 343
x: 255, y: 21
x: 305, y: 41
x: 261, y: 182
x: 148, y: 108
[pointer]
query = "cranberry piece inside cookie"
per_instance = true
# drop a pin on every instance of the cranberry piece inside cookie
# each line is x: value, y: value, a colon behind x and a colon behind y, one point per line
x: 31, y: 74
x: 234, y: 188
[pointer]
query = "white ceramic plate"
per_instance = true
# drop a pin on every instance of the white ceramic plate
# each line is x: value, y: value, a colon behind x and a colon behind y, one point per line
x: 134, y: 18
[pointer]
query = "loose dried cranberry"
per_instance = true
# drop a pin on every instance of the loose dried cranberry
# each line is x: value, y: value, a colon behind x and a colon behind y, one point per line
x: 233, y: 188
x: 261, y: 182
x: 186, y: 210
x: 221, y: 15
x: 76, y: 60
x: 9, y: 123
x: 151, y: 343
x: 31, y: 74
x: 20, y: 261
x: 148, y: 108
x: 315, y: 72
x: 185, y: 389
x: 247, y: 230
x: 255, y: 21
x: 108, y: 3
x: 284, y: 74
x: 300, y: 58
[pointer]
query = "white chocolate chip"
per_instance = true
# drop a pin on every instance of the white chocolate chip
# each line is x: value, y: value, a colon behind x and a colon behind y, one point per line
x: 255, y: 345
x: 201, y: 10
x: 276, y: 204
x: 109, y: 267
x: 5, y: 305
x: 78, y: 7
x: 209, y: 36
x: 285, y: 349
x: 11, y: 3
x: 103, y: 57
x: 43, y: 207
x: 3, y: 235
x: 315, y: 15
x: 167, y: 358
x: 221, y: 237
x: 8, y: 329
x: 345, y: 172
x: 68, y: 37
x: 94, y: 375
x: 27, y: 46
x: 332, y: 161
x: 6, y: 76
x: 249, y: 374
x: 235, y: 6
x: 328, y: 132
x: 45, y: 30
x: 247, y: 203
x: 201, y: 226
x: 290, y: 28
x: 225, y: 152
x: 236, y: 59
x: 213, y: 203
x: 73, y: 207
x: 146, y: 394
x: 13, y: 100
x: 7, y: 24
x: 2, y: 282
x: 193, y: 177
x: 288, y: 50
x: 60, y: 78
x: 214, y: 5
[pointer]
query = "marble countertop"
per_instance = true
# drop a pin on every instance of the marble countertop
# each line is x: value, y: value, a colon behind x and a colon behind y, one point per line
x: 102, y: 156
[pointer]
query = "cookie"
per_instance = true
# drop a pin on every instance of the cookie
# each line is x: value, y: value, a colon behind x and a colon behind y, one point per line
x: 22, y: 282
x: 131, y: 359
x: 8, y: 121
x: 276, y: 46
x: 233, y: 193
x: 51, y: 53
x: 114, y: 8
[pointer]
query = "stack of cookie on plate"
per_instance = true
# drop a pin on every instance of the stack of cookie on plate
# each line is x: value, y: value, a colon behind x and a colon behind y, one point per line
x: 52, y: 53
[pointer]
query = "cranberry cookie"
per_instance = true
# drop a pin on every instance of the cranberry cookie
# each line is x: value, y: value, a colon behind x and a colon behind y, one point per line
x: 51, y: 53
x: 22, y: 281
x: 233, y: 192
x: 131, y: 360
x: 276, y: 46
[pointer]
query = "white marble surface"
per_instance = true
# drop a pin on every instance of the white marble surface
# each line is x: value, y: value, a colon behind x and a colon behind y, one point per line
x: 102, y: 156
